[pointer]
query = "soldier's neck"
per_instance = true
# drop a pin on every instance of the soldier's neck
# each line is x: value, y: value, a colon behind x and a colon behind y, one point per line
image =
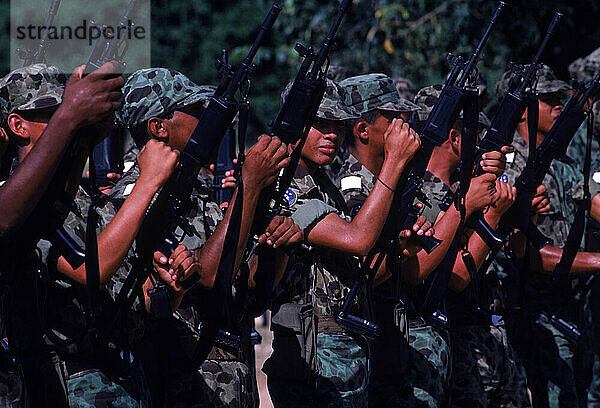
x: 367, y: 157
x: 442, y: 164
x: 523, y: 131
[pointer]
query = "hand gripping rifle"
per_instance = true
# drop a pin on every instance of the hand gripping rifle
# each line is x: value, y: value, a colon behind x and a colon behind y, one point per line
x: 504, y: 123
x: 224, y: 163
x: 173, y: 202
x: 292, y: 124
x: 39, y: 55
x: 403, y: 214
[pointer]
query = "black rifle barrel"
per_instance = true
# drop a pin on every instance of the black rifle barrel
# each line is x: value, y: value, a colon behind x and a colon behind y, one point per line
x: 328, y: 42
x: 475, y: 57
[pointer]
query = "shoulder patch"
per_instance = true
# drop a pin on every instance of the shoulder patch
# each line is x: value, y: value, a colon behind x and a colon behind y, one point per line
x: 128, y: 189
x: 290, y: 197
x: 504, y: 178
x: 510, y: 157
x: 351, y: 182
x: 596, y: 177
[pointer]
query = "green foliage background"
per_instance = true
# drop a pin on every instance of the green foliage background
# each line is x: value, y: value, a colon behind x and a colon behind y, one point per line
x: 407, y: 38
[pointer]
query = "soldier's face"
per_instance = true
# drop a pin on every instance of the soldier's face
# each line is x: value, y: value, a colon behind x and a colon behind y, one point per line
x: 377, y: 130
x: 548, y: 113
x: 323, y: 141
x: 180, y: 129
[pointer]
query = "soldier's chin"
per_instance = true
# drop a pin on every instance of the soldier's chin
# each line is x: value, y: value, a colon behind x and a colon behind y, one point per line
x: 324, y: 159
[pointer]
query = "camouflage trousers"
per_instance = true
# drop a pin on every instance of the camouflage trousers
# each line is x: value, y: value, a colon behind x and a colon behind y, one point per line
x: 11, y: 388
x: 426, y: 377
x: 547, y: 355
x: 94, y: 388
x: 341, y: 378
x: 485, y: 369
x: 593, y: 395
x: 217, y: 384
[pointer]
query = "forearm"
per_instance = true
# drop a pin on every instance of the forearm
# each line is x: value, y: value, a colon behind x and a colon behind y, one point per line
x: 417, y: 268
x: 359, y: 236
x: 460, y: 277
x: 210, y: 253
x: 23, y: 190
x: 118, y: 236
x: 585, y: 262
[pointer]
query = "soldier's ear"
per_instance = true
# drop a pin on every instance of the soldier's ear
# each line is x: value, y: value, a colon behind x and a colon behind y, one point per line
x: 157, y: 130
x: 454, y: 138
x: 18, y: 126
x: 361, y: 131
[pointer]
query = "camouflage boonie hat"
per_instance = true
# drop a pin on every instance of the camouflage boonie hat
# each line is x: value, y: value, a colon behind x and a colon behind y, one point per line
x: 332, y: 106
x: 151, y: 92
x: 36, y: 86
x: 547, y: 82
x: 427, y: 97
x: 405, y: 88
x: 584, y: 69
x: 375, y: 91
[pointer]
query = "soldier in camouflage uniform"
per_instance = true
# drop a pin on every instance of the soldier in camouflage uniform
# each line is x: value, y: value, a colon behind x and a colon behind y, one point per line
x: 406, y: 89
x: 315, y: 362
x: 84, y: 375
x: 400, y: 376
x: 164, y: 104
x: 548, y: 353
x: 583, y: 70
x: 485, y: 372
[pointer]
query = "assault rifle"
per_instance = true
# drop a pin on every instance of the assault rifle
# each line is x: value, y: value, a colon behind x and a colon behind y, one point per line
x: 552, y: 147
x: 504, y: 123
x: 224, y: 163
x: 292, y: 124
x: 39, y: 55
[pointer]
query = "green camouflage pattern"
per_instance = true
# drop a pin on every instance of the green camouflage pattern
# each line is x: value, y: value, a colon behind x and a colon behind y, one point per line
x: 436, y: 192
x: 332, y: 106
x: 218, y: 384
x: 36, y: 86
x: 342, y: 371
x: 228, y: 388
x: 405, y: 88
x: 322, y: 277
x: 340, y: 379
x: 425, y: 383
x: 152, y: 92
x: 593, y: 396
x: 584, y: 69
x: 427, y: 97
x: 11, y: 388
x: 485, y: 370
x: 94, y: 388
x: 578, y: 146
x: 546, y: 82
x: 429, y: 362
x: 374, y: 91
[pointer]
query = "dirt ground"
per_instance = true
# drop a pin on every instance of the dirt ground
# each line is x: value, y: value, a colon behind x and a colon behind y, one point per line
x: 263, y: 351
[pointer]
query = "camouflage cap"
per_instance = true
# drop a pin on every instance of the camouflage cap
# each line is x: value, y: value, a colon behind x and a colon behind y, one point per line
x: 428, y: 96
x: 32, y: 87
x: 151, y: 92
x: 584, y: 69
x: 332, y: 106
x: 405, y: 88
x: 375, y: 91
x: 547, y: 82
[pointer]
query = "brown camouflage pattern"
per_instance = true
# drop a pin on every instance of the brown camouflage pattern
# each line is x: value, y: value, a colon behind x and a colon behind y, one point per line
x: 36, y: 86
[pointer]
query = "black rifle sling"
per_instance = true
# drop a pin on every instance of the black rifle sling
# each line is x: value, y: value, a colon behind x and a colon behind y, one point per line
x: 92, y: 266
x: 439, y: 284
x: 560, y: 275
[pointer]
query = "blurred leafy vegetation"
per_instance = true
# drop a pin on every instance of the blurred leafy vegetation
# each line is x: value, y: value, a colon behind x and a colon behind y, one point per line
x: 408, y: 38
